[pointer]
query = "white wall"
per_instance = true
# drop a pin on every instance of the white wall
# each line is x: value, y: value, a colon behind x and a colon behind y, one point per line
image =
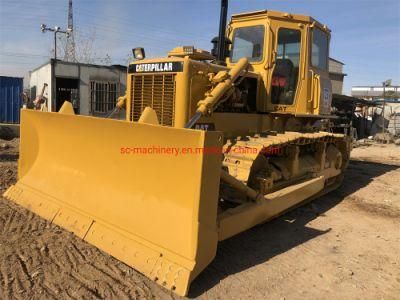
x: 38, y: 78
x: 66, y: 70
x: 89, y: 73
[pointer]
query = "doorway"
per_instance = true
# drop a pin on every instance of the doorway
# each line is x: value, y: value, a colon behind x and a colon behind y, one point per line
x: 67, y: 89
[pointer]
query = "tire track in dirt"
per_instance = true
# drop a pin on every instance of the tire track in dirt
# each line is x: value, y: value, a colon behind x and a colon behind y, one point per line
x: 7, y: 220
x: 51, y: 292
x: 24, y: 272
x: 5, y: 282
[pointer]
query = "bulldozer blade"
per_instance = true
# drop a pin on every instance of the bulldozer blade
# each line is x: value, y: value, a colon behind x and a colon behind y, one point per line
x: 156, y: 212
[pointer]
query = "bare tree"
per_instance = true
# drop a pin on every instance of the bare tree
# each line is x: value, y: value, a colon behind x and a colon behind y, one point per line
x: 106, y: 60
x: 85, y: 48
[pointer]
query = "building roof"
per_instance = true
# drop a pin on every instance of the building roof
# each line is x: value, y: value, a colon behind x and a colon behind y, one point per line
x: 120, y: 67
x: 337, y: 98
x: 336, y: 73
x: 338, y: 61
x: 5, y: 76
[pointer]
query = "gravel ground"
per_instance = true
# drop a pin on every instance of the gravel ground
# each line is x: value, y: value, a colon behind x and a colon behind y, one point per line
x: 344, y: 245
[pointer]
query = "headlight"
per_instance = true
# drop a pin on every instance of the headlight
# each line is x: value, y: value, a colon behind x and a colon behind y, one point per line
x: 138, y: 53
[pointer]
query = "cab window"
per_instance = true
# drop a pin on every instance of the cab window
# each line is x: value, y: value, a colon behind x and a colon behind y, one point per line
x: 286, y: 71
x: 319, y: 58
x: 248, y: 42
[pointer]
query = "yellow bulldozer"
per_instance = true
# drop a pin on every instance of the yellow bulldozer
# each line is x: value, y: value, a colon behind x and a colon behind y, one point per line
x: 213, y: 144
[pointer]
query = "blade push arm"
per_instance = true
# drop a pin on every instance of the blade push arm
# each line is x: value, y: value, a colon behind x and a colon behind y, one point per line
x: 225, y: 82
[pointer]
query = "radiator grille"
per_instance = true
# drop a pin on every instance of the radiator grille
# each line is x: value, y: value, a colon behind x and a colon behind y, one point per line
x: 156, y: 91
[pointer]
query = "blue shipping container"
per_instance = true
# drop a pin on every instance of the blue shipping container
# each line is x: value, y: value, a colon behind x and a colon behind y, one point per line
x: 11, y: 89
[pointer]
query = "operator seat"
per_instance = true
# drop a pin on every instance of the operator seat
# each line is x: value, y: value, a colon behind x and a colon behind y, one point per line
x: 281, y: 79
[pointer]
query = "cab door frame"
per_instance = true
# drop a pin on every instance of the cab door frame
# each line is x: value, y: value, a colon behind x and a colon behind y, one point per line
x: 275, y: 24
x: 321, y: 87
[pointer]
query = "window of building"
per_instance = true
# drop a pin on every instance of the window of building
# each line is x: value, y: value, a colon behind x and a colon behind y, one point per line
x: 103, y: 96
x: 248, y: 42
x: 319, y: 57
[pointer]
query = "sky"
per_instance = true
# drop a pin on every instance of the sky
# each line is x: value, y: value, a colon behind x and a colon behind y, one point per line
x: 365, y: 33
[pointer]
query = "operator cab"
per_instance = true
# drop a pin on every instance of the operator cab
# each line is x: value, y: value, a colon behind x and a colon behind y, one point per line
x: 290, y: 54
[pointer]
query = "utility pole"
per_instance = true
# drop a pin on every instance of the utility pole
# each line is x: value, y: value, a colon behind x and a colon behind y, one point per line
x: 56, y: 29
x: 70, y: 45
x: 385, y: 84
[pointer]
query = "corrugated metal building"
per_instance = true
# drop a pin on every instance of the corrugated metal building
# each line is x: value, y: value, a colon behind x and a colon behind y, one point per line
x: 92, y: 89
x: 11, y: 89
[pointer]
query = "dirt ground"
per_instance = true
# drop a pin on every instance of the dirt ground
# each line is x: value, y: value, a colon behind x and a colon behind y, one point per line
x: 345, y: 245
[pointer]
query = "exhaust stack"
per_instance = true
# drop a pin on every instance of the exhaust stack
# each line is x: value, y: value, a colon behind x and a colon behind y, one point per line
x: 221, y: 34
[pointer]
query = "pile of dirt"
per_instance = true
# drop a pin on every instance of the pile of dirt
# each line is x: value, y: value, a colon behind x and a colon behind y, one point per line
x: 7, y: 132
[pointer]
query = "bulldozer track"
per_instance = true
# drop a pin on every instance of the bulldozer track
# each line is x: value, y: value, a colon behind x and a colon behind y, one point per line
x: 241, y: 152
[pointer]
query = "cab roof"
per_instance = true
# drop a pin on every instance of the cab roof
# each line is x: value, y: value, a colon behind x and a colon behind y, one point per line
x: 261, y: 14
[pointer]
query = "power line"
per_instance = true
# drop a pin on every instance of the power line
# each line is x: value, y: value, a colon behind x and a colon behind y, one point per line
x: 84, y: 12
x: 121, y: 21
x: 102, y: 31
x: 16, y: 54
